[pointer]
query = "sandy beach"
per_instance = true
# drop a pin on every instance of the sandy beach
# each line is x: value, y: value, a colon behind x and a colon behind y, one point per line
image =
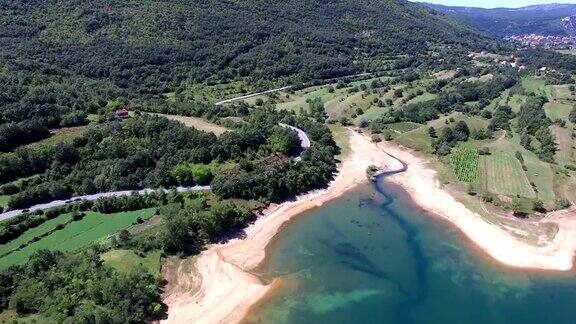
x: 421, y: 183
x: 227, y: 289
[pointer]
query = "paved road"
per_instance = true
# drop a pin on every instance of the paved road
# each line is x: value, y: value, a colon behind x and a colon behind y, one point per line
x: 251, y: 95
x: 304, y: 140
x: 57, y: 203
x: 326, y: 81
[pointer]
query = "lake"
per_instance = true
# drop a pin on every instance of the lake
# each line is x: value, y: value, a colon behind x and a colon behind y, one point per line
x: 372, y: 256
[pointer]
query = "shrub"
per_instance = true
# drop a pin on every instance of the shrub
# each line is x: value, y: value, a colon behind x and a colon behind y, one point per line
x: 484, y: 151
x: 538, y: 206
x: 562, y: 202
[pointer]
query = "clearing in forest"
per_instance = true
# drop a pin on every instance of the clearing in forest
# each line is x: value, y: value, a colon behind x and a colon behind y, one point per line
x: 127, y: 261
x: 557, y: 110
x: 198, y: 123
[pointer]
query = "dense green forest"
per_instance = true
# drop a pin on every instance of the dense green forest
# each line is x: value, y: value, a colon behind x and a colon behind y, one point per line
x: 152, y: 46
x: 62, y: 60
x: 68, y: 65
x: 151, y: 151
x: 46, y: 283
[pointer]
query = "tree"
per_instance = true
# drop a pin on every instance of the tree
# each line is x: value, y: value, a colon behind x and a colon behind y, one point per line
x: 517, y: 207
x: 572, y: 115
x: 538, y: 205
x: 432, y: 132
x: 562, y: 202
x: 461, y: 131
x: 526, y: 141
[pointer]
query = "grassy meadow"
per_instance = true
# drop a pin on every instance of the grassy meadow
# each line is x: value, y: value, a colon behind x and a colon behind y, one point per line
x: 75, y: 235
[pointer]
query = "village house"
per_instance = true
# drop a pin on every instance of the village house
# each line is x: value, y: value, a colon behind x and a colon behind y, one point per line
x: 122, y: 113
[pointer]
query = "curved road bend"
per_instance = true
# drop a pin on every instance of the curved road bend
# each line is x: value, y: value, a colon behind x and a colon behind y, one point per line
x: 304, y: 142
x: 57, y: 203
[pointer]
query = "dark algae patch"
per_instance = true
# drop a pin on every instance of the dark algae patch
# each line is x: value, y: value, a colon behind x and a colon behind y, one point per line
x: 373, y: 256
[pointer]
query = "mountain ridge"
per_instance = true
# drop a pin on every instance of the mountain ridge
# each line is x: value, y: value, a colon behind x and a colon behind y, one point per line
x: 502, y: 22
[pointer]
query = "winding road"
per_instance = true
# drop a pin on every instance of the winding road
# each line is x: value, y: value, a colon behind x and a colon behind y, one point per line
x: 304, y: 142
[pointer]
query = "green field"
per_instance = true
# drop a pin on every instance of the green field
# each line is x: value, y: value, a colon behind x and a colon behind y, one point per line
x: 557, y: 110
x: 464, y: 161
x: 60, y: 136
x: 39, y: 230
x: 423, y: 97
x: 4, y: 201
x: 516, y: 101
x: 93, y: 227
x: 299, y: 98
x: 504, y: 175
x: 536, y: 85
x: 418, y: 139
x: 541, y: 174
x: 403, y: 127
x: 127, y: 261
x: 565, y: 152
x: 342, y: 138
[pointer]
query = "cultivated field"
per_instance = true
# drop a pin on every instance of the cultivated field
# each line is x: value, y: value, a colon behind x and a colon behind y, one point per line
x: 504, y: 175
x: 565, y: 152
x: 77, y: 234
x: 557, y: 110
x: 464, y: 161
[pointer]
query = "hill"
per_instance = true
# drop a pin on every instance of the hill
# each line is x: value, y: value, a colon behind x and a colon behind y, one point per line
x: 153, y: 46
x: 551, y: 19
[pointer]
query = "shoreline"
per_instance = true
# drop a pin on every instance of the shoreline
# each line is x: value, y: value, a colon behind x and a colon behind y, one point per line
x: 493, y: 240
x: 228, y: 290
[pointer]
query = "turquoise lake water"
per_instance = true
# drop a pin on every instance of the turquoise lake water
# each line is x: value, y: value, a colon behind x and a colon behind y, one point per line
x: 372, y: 257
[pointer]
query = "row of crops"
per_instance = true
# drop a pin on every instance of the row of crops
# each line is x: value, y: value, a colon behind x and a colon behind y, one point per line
x: 464, y: 161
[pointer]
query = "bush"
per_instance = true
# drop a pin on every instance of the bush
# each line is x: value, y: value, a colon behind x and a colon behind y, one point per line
x: 487, y: 197
x: 562, y: 202
x: 538, y: 206
x: 484, y: 151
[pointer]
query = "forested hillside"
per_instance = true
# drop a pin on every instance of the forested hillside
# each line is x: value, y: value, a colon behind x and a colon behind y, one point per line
x: 502, y: 22
x: 152, y: 46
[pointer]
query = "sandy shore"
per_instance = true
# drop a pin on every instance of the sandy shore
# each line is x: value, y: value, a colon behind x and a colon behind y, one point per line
x: 227, y: 289
x: 421, y: 183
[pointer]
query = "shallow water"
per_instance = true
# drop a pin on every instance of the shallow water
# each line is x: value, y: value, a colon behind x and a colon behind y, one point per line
x: 371, y: 256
